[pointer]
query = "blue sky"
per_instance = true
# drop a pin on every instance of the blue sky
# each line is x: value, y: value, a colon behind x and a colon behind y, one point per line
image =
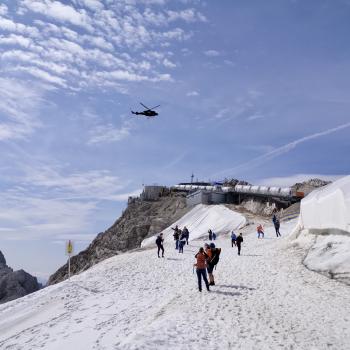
x: 256, y: 90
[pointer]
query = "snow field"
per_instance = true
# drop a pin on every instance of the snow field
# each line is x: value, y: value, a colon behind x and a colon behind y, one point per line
x: 264, y: 299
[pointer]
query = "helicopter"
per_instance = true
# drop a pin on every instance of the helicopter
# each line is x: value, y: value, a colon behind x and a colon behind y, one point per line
x: 148, y: 112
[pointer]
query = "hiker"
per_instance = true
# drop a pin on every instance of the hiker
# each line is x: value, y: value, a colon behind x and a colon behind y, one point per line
x: 187, y: 234
x: 260, y: 231
x: 159, y: 242
x: 233, y: 239
x: 182, y: 241
x: 176, y: 236
x: 201, y: 264
x: 213, y: 260
x: 276, y: 223
x: 239, y: 241
x: 210, y: 235
x: 214, y: 236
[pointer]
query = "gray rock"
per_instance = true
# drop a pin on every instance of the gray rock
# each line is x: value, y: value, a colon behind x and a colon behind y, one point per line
x: 15, y: 284
x: 141, y: 219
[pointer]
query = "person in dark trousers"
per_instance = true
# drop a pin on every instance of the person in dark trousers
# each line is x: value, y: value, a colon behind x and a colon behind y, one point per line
x: 233, y: 239
x: 201, y: 265
x: 276, y: 223
x: 187, y: 234
x: 159, y: 242
x: 214, y: 235
x: 260, y: 231
x: 210, y: 235
x: 176, y: 236
x: 239, y: 242
x: 182, y: 242
x: 212, y: 261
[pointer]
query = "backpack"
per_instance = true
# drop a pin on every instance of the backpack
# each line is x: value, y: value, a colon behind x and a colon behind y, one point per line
x: 216, y: 256
x: 158, y: 240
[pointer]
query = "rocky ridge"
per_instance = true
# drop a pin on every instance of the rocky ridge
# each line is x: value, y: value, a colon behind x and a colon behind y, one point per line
x: 15, y: 284
x: 140, y: 220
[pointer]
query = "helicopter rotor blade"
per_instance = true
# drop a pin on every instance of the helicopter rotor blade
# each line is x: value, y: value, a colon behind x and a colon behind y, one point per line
x: 144, y: 105
x: 155, y: 107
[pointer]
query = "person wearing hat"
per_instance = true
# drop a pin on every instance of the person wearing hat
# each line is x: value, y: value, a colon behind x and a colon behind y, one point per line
x: 159, y: 243
x: 210, y: 266
x: 201, y: 264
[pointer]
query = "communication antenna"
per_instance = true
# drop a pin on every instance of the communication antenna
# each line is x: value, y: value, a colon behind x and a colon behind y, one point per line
x: 192, y: 176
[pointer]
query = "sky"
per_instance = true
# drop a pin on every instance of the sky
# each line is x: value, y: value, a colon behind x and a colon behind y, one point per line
x: 255, y: 90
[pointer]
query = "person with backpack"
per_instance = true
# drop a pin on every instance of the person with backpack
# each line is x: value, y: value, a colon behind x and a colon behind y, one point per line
x: 187, y: 234
x: 210, y: 235
x: 260, y: 231
x: 233, y: 239
x: 239, y: 242
x: 201, y: 265
x: 182, y: 241
x: 176, y: 236
x: 213, y: 260
x: 159, y: 243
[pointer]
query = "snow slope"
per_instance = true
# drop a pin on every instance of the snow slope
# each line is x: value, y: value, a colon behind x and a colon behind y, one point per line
x: 202, y: 217
x: 264, y: 299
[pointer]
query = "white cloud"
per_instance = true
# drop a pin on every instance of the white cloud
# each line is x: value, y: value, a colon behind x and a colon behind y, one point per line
x: 188, y: 15
x: 255, y: 116
x: 212, y: 53
x: 108, y: 133
x: 192, y: 93
x: 19, y: 107
x: 167, y: 63
x: 3, y: 9
x: 60, y: 12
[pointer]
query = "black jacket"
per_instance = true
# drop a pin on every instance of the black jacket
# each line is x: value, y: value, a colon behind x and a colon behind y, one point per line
x: 239, y: 239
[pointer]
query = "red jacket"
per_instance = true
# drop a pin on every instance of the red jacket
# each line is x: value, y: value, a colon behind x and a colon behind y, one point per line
x: 201, y: 260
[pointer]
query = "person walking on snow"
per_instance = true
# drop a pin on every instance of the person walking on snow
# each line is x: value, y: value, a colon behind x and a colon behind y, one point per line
x: 187, y: 234
x: 201, y: 265
x: 239, y: 242
x: 159, y: 242
x: 213, y: 260
x: 210, y: 235
x: 276, y: 223
x: 176, y: 236
x: 182, y: 241
x: 214, y: 236
x: 233, y: 239
x: 260, y: 231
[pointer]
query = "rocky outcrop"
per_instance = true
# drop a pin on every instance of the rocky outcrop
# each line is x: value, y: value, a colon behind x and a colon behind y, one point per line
x: 15, y: 284
x: 310, y: 185
x: 141, y: 219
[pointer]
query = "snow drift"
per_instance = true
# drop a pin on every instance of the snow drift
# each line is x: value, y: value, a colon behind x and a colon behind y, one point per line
x: 200, y: 219
x: 324, y: 230
x: 327, y: 208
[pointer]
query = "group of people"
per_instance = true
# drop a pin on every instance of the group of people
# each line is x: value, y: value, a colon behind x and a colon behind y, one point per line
x: 212, y: 235
x: 206, y: 260
x: 237, y: 241
x: 276, y: 224
x: 181, y: 238
x: 208, y: 257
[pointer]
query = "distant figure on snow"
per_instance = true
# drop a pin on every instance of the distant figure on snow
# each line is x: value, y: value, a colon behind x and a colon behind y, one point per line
x: 186, y: 233
x: 159, y: 243
x: 182, y: 241
x: 214, y: 235
x: 201, y: 265
x: 260, y: 231
x: 210, y: 235
x: 276, y: 223
x: 233, y: 239
x: 176, y: 236
x: 239, y: 242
